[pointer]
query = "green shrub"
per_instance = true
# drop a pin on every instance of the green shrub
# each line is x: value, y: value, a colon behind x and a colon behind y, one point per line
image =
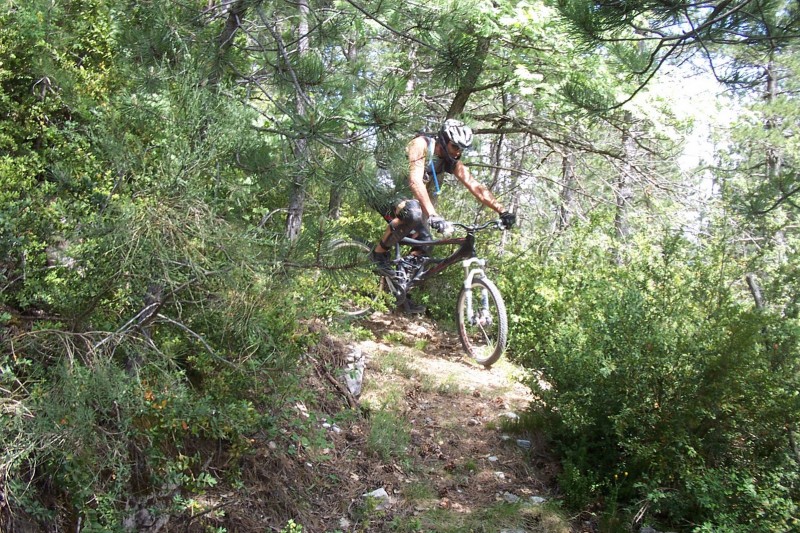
x: 659, y: 370
x: 86, y: 431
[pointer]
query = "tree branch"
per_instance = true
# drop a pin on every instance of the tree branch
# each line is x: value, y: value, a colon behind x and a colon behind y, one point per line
x: 197, y: 336
x: 785, y: 198
x: 396, y: 32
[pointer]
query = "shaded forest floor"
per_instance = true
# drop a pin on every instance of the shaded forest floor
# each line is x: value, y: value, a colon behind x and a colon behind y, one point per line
x: 432, y: 430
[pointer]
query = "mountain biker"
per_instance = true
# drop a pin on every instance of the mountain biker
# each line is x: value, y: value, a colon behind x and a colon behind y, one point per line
x: 429, y: 157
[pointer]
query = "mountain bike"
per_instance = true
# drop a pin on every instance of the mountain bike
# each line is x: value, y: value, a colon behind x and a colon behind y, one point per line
x: 480, y: 311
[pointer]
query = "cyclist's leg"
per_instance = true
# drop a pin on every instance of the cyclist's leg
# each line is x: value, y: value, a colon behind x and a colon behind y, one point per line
x: 407, y: 217
x: 413, y: 224
x: 385, y: 206
x: 409, y: 222
x: 422, y: 232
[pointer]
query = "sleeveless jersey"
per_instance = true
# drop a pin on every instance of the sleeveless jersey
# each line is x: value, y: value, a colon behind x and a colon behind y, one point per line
x: 435, y: 167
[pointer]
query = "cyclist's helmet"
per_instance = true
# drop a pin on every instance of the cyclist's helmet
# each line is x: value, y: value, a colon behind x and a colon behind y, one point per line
x: 457, y: 133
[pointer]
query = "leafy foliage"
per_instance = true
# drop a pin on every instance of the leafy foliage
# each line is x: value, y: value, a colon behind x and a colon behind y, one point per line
x: 662, y: 385
x: 140, y: 320
x: 149, y: 301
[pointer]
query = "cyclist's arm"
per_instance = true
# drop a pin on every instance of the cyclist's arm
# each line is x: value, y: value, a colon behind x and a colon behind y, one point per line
x: 478, y: 189
x: 417, y: 157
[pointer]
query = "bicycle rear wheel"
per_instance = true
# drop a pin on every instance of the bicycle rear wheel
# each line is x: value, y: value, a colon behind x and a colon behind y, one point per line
x: 482, y: 321
x: 353, y: 285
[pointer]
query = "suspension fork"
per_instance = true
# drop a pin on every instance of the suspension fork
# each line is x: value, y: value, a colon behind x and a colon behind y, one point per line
x: 473, y: 268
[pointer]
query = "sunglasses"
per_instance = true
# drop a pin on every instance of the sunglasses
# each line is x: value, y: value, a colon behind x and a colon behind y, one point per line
x: 455, y: 147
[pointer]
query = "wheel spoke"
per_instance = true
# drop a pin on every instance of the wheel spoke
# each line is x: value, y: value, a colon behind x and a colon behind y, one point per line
x: 483, y: 331
x: 355, y: 287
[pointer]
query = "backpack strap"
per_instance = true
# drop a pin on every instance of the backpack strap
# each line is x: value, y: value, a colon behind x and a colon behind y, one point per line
x: 431, y: 148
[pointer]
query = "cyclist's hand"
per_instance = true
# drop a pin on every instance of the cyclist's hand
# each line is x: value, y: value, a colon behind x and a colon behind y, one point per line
x: 441, y: 225
x: 508, y: 219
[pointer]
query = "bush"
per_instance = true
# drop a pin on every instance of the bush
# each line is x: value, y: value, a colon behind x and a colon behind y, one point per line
x: 663, y: 385
x: 122, y: 407
x: 92, y: 431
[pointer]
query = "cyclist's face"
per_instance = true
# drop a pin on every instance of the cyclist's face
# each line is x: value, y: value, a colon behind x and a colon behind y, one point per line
x: 454, y: 150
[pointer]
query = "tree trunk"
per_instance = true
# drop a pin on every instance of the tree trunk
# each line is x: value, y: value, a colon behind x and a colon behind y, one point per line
x: 567, y: 191
x: 297, y: 195
x: 773, y: 155
x: 470, y: 80
x: 623, y: 192
x: 225, y: 40
x: 335, y: 202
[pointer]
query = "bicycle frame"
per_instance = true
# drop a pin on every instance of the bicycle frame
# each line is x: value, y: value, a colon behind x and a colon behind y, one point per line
x: 481, y: 317
x: 465, y: 253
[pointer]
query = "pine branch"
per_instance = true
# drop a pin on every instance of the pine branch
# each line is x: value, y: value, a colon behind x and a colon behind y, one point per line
x: 785, y: 198
x: 282, y: 50
x: 197, y: 336
x: 543, y: 177
x: 396, y: 32
x: 519, y: 127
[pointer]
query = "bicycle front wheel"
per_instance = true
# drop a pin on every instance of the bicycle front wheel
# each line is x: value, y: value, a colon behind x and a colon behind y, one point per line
x: 482, y: 321
x: 354, y: 287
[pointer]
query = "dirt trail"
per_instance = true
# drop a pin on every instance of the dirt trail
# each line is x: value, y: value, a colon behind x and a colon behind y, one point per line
x: 430, y: 430
x: 456, y: 413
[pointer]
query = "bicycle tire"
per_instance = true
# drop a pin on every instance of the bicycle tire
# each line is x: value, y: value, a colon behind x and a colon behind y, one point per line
x: 485, y: 341
x: 355, y: 286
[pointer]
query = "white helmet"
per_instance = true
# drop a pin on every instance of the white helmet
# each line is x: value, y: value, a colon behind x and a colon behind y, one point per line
x: 457, y: 133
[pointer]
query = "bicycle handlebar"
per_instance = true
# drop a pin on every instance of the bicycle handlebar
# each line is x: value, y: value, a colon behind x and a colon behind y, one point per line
x: 495, y: 222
